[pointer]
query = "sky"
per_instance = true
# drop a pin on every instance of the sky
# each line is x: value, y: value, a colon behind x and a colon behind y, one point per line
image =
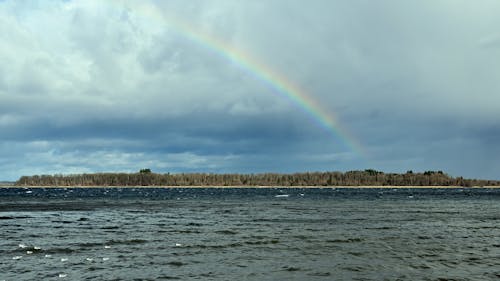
x: 233, y: 86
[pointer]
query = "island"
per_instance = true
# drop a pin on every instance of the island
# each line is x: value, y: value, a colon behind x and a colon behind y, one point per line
x: 146, y: 178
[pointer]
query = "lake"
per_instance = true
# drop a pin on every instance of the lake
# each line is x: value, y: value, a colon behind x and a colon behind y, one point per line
x: 249, y: 234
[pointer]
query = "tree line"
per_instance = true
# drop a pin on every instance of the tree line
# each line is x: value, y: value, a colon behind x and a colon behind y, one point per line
x: 145, y: 177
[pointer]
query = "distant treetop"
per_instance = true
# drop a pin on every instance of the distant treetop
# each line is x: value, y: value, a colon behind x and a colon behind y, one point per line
x: 145, y: 177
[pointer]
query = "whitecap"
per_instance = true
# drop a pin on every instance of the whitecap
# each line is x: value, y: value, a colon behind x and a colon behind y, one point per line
x: 64, y: 259
x: 37, y: 248
x: 107, y: 247
x: 29, y: 252
x: 282, y: 195
x: 105, y: 259
x: 89, y: 259
x: 178, y: 245
x: 22, y: 246
x: 17, y: 257
x: 48, y: 256
x: 62, y: 275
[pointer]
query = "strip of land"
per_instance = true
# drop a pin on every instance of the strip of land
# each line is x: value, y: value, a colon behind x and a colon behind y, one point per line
x: 352, y: 179
x: 250, y: 186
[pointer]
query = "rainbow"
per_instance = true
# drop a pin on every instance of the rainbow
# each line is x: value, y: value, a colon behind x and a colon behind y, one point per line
x: 279, y: 84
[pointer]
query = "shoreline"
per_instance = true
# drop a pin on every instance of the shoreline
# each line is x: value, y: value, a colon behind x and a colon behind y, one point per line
x: 257, y: 186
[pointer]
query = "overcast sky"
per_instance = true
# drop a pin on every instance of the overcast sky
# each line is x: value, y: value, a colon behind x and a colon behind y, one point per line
x: 102, y: 86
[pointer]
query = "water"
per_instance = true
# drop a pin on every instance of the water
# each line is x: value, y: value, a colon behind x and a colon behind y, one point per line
x: 249, y: 234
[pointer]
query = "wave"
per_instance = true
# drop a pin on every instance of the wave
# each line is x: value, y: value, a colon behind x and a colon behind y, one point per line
x: 227, y: 232
x: 14, y: 217
x: 348, y: 240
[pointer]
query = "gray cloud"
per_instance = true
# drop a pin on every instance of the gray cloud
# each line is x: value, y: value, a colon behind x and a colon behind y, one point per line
x: 99, y: 86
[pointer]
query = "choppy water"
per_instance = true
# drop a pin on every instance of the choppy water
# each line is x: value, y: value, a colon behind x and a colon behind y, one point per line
x: 249, y: 234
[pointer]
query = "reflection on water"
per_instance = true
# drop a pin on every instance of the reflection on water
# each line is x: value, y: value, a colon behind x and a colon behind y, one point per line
x: 249, y: 234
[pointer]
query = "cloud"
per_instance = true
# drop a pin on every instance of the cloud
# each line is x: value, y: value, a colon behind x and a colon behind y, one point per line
x: 92, y: 85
